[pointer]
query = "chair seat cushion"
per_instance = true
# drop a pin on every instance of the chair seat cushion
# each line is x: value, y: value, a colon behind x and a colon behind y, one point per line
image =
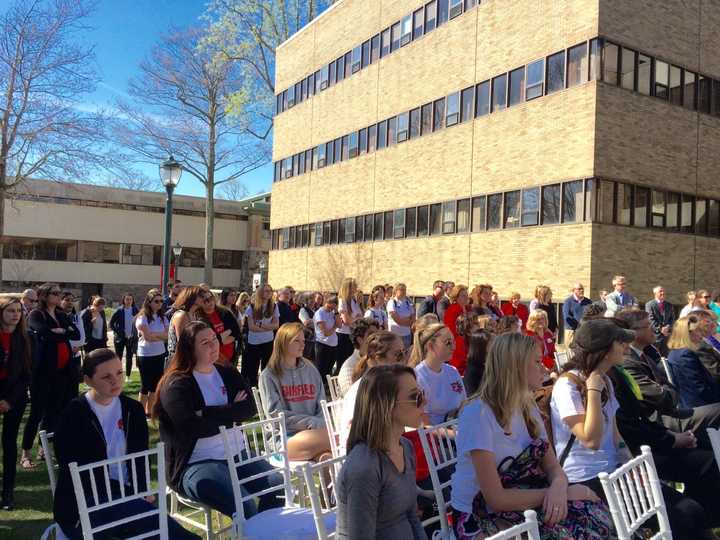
x: 285, y: 524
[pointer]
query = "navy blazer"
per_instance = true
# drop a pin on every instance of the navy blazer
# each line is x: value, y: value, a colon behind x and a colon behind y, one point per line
x: 692, y: 379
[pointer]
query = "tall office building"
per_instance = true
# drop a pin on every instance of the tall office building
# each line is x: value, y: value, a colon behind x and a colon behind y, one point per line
x: 512, y: 142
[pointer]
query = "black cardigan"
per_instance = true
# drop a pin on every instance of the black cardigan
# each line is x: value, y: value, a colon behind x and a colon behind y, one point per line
x: 117, y: 324
x: 14, y: 388
x: 79, y: 437
x: 184, y: 417
x: 40, y: 325
x: 87, y: 323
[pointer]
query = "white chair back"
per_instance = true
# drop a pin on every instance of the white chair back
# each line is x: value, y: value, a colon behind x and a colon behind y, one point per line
x: 666, y: 367
x: 634, y: 495
x: 714, y: 436
x: 259, y: 405
x: 528, y: 530
x: 334, y: 387
x: 49, y: 456
x: 561, y: 358
x: 332, y: 412
x: 438, y: 444
x: 320, y: 480
x: 133, y: 468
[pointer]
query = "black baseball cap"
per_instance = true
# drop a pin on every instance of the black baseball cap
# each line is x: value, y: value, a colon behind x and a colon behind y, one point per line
x: 598, y: 334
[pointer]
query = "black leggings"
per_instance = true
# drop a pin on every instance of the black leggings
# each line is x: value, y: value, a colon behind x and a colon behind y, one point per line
x: 256, y: 356
x: 345, y: 349
x: 151, y: 370
x: 128, y: 346
x: 10, y: 430
x: 325, y: 358
x: 48, y: 398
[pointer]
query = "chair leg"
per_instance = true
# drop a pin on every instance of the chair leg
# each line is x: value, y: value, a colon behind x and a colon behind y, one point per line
x: 209, y: 525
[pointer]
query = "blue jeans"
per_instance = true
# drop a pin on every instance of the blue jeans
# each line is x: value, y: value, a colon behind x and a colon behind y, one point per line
x: 209, y: 482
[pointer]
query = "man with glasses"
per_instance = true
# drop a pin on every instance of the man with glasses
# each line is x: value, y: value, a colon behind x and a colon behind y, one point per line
x: 284, y: 299
x: 573, y: 309
x: 661, y: 314
x: 29, y: 301
x: 620, y: 298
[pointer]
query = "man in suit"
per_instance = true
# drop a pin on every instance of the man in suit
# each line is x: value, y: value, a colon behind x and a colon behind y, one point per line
x: 662, y: 317
x: 436, y: 303
x: 619, y: 298
x: 709, y: 348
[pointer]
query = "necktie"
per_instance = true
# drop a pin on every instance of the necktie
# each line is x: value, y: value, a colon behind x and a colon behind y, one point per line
x: 662, y: 307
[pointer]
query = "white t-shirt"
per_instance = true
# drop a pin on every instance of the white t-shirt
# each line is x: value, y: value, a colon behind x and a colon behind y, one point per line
x: 214, y: 393
x: 258, y: 338
x: 354, y: 310
x: 346, y: 372
x: 444, y: 391
x: 151, y: 348
x: 110, y: 418
x: 478, y: 429
x: 97, y: 327
x: 582, y: 463
x: 346, y: 417
x: 379, y: 315
x: 327, y: 317
x: 403, y: 308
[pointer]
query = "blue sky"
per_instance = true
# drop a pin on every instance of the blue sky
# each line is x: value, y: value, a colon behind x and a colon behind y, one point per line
x: 124, y: 31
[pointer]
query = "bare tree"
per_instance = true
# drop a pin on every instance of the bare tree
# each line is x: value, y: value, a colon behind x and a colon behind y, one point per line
x: 44, y: 73
x: 180, y: 107
x: 233, y: 191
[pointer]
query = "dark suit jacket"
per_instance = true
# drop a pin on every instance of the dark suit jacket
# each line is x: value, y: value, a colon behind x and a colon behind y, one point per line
x: 710, y: 358
x: 658, y: 318
x: 658, y: 394
x: 694, y: 382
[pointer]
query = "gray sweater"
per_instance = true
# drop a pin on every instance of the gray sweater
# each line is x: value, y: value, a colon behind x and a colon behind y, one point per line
x: 375, y: 500
x: 297, y: 393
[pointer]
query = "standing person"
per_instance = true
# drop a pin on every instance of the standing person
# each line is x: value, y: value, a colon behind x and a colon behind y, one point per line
x: 715, y: 307
x: 67, y: 304
x: 326, y: 320
x: 225, y: 325
x: 376, y: 307
x: 14, y: 382
x: 516, y: 308
x: 494, y: 304
x: 620, y: 297
x: 481, y: 296
x: 101, y: 424
x: 152, y: 328
x: 241, y: 305
x: 662, y: 317
x: 537, y: 328
x: 184, y: 311
x: 29, y: 301
x: 572, y: 311
x: 53, y: 377
x: 459, y: 300
x: 308, y: 303
x: 401, y: 315
x: 478, y: 344
x: 263, y: 319
x: 197, y: 396
x: 500, y: 428
x: 293, y: 386
x: 122, y: 323
x: 360, y: 330
x: 543, y: 300
x: 431, y: 303
x: 376, y: 491
x: 284, y: 299
x: 174, y: 288
x: 95, y: 324
x: 228, y: 299
x: 703, y: 299
x: 388, y: 293
x: 349, y: 311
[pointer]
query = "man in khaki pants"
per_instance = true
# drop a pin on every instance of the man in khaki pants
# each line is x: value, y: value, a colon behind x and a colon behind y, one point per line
x: 573, y: 308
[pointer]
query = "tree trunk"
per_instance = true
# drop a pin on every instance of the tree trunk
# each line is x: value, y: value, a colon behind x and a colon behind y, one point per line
x: 209, y: 230
x: 3, y: 194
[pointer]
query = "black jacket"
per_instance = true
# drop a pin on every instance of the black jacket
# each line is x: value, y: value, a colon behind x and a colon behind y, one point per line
x: 88, y: 325
x: 658, y: 318
x: 659, y: 396
x: 79, y: 438
x: 287, y: 314
x: 184, y: 417
x: 710, y: 358
x: 40, y: 325
x: 117, y: 324
x: 14, y: 388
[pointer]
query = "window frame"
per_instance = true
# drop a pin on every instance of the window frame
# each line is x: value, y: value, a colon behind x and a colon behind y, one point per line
x: 551, y: 88
x: 403, y: 127
x: 452, y: 114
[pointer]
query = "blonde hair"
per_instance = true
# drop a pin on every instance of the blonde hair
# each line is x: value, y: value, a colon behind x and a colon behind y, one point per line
x: 345, y: 292
x: 423, y: 336
x: 680, y: 337
x: 504, y: 386
x: 543, y: 293
x: 242, y: 302
x: 691, y: 295
x: 262, y: 309
x: 399, y: 286
x: 456, y: 291
x: 515, y: 295
x: 285, y: 334
x: 534, y: 318
x: 371, y: 300
x: 477, y: 291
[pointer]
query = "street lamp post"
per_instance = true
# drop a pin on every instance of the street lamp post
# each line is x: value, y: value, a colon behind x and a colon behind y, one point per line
x: 177, y: 251
x: 170, y: 171
x: 262, y: 265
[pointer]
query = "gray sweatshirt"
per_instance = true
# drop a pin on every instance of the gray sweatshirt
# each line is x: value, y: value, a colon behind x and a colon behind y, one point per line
x: 297, y: 393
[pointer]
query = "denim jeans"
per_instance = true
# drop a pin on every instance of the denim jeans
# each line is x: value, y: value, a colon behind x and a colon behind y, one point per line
x: 209, y: 482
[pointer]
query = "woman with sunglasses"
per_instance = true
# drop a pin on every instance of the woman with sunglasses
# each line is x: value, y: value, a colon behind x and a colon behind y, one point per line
x: 441, y: 382
x: 184, y: 309
x: 376, y: 491
x: 53, y: 376
x: 152, y: 327
x: 226, y: 327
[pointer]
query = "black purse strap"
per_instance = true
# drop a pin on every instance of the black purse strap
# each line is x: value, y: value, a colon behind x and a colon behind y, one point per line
x: 566, y: 450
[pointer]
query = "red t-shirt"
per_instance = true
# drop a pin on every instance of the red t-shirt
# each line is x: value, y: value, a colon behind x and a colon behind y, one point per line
x: 227, y: 350
x: 5, y: 343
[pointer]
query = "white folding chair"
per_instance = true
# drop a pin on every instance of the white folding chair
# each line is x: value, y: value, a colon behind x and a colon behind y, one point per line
x: 668, y: 372
x: 332, y: 412
x: 49, y: 456
x: 634, y: 495
x: 130, y: 467
x: 258, y: 442
x: 714, y: 436
x: 561, y: 358
x: 198, y: 515
x: 334, y: 387
x: 320, y: 481
x: 527, y: 530
x: 440, y: 452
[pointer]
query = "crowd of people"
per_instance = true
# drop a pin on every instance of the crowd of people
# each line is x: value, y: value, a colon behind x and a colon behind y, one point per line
x: 529, y: 432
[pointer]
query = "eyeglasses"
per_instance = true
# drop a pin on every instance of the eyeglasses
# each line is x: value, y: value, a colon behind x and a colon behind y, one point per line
x: 418, y: 399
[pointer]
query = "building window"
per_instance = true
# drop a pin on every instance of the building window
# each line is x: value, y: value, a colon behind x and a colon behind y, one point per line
x: 288, y: 167
x: 348, y: 64
x: 551, y: 204
x: 277, y: 175
x: 610, y: 63
x: 672, y: 218
x: 388, y: 218
x: 624, y: 204
x: 305, y: 235
x: 641, y: 203
x: 430, y: 16
x: 330, y: 153
x: 301, y: 163
x: 517, y: 86
x: 439, y: 114
x: 687, y: 218
x: 511, y: 218
x: 435, y: 219
x: 309, y: 158
x: 418, y: 23
x: 463, y: 216
x: 716, y: 98
x: 410, y: 222
x: 385, y: 43
x: 494, y: 211
x: 375, y: 49
x: 555, y: 72
x: 334, y: 229
x: 311, y: 233
x: 661, y: 79
x: 350, y: 230
x: 644, y: 73
x: 467, y: 103
x: 675, y: 87
x: 378, y: 226
x: 285, y: 243
x: 452, y: 115
x: 357, y: 58
x: 395, y: 37
x: 382, y: 135
x: 657, y: 217
x: 704, y: 94
x: 414, y: 124
x: 392, y: 130
x: 359, y: 224
x: 332, y: 67
x: 535, y: 79
x: 572, y: 205
x: 627, y: 66
x: 499, y: 93
x: 713, y: 218
x: 423, y: 221
x: 426, y: 119
x: 456, y: 8
x: 338, y: 150
x: 530, y: 207
x: 402, y: 127
x: 442, y: 12
x: 320, y: 156
x: 589, y: 206
x: 406, y: 30
x: 369, y: 220
x: 362, y: 141
x: 340, y: 62
x: 478, y: 214
x: 577, y: 65
x: 341, y: 230
x: 469, y: 4
x: 448, y: 217
x: 482, y: 99
x: 291, y: 97
x: 372, y: 138
x: 701, y: 216
x: 353, y: 144
x: 365, y: 54
x: 689, y: 89
x: 345, y: 148
x: 398, y: 224
x: 595, y: 59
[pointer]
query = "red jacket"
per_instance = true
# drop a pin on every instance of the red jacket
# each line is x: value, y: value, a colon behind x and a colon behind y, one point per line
x: 521, y: 312
x: 459, y: 356
x: 547, y: 346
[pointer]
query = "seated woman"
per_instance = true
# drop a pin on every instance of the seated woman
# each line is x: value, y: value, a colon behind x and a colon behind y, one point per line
x: 376, y: 489
x: 99, y: 425
x: 695, y: 384
x: 478, y: 341
x: 505, y: 463
x: 440, y: 382
x: 195, y: 397
x: 537, y: 328
x: 293, y: 386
